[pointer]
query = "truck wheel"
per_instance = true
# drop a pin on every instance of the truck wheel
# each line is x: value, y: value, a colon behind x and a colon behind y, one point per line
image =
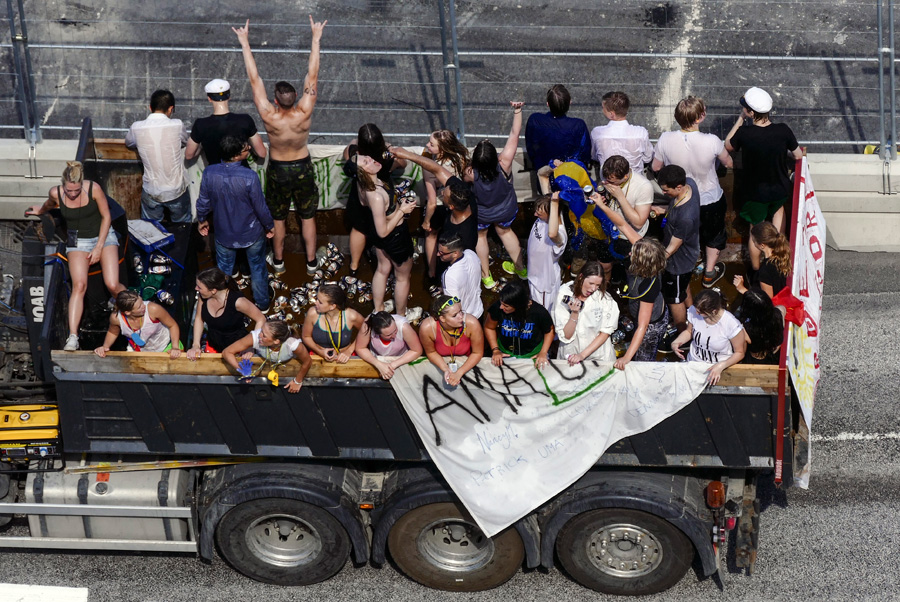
x: 440, y: 547
x: 282, y: 541
x: 624, y: 552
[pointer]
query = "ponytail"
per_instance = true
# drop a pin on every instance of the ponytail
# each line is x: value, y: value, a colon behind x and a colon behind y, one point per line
x: 766, y: 234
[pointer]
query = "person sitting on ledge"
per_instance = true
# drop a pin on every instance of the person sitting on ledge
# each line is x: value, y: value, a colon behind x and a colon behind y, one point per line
x: 272, y: 342
x: 147, y: 325
x: 387, y: 342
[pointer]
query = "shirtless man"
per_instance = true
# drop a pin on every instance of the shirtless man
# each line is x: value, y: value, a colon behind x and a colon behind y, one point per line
x: 290, y: 176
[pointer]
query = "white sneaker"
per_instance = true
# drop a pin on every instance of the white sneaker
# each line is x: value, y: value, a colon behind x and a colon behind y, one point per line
x: 278, y: 268
x: 71, y: 343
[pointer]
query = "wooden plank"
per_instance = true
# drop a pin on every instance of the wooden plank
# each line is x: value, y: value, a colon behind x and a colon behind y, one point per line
x: 113, y: 148
x: 211, y: 364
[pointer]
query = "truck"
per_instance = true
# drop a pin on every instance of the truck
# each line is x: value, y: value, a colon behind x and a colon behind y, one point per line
x: 139, y: 452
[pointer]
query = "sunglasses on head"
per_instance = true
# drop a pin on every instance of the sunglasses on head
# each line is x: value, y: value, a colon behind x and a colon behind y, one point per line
x: 449, y: 303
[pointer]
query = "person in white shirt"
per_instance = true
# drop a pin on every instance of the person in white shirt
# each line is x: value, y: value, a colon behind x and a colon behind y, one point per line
x: 618, y: 137
x: 716, y: 336
x: 160, y: 141
x: 631, y: 197
x: 696, y: 153
x: 462, y: 278
x: 546, y: 243
x: 584, y: 316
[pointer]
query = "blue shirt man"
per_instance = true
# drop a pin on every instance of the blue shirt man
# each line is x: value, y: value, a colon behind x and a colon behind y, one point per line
x: 241, y: 218
x: 553, y: 135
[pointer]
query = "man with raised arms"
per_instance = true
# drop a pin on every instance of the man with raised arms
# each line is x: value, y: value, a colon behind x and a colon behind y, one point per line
x: 290, y: 177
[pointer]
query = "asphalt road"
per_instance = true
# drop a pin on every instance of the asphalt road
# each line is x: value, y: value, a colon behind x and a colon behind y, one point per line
x: 382, y: 62
x: 835, y: 541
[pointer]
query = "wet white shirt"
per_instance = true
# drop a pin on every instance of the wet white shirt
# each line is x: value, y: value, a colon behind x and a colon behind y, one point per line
x: 696, y: 153
x: 160, y: 143
x: 622, y: 138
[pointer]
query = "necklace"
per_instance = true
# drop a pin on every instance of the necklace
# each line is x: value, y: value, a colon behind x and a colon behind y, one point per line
x: 455, y: 336
x: 340, y: 332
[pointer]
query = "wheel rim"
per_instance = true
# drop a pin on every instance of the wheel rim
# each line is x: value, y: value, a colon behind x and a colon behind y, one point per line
x: 624, y: 550
x: 455, y: 545
x: 283, y: 540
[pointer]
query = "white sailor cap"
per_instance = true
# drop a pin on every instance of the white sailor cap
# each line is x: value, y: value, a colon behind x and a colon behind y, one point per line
x: 757, y: 100
x: 217, y: 86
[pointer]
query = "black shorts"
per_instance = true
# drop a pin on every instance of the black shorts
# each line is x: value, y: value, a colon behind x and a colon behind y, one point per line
x: 674, y: 287
x: 712, y: 224
x: 598, y: 250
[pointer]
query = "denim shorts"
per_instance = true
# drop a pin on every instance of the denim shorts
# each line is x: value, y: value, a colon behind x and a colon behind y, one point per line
x: 86, y: 245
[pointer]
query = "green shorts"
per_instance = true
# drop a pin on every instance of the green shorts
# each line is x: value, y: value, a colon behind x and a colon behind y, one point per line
x: 754, y: 212
x: 291, y: 182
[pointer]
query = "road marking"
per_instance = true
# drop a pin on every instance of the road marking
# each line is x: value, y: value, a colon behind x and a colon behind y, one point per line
x: 10, y: 592
x: 854, y: 437
x: 672, y: 87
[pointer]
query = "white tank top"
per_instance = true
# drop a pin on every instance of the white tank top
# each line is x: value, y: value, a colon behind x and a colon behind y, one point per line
x: 151, y: 336
x: 394, y: 348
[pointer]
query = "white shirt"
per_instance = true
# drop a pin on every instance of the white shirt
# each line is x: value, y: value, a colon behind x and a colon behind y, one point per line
x: 160, y: 142
x: 285, y: 353
x: 599, y: 314
x: 711, y: 343
x: 638, y: 191
x: 543, y: 263
x: 463, y: 279
x: 622, y: 138
x: 696, y: 153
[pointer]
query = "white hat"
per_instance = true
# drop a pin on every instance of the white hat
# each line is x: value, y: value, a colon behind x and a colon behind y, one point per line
x: 217, y: 86
x: 757, y: 100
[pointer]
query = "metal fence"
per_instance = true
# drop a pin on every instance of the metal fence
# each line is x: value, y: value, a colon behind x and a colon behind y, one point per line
x: 418, y: 65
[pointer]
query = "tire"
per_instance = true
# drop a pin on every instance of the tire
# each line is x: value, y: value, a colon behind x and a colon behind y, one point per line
x: 651, y: 554
x: 282, y: 541
x: 443, y: 548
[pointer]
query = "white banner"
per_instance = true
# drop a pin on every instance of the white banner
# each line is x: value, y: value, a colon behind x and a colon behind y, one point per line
x: 508, y: 439
x: 807, y: 286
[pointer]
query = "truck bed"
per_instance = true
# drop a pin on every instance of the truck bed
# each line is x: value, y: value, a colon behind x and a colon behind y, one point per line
x: 129, y: 403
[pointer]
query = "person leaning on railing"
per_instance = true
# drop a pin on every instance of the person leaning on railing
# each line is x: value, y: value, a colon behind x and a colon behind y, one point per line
x: 222, y: 308
x: 452, y: 339
x: 273, y: 343
x: 90, y: 238
x: 716, y: 336
x: 146, y: 325
x: 387, y: 342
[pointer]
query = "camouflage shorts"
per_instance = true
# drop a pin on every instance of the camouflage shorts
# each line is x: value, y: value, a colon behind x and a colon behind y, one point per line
x: 291, y: 182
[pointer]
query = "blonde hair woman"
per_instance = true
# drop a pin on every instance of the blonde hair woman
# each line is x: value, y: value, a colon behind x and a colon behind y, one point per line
x: 90, y: 239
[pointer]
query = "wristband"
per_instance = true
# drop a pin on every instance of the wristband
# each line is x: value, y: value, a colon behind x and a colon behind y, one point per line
x: 495, y: 349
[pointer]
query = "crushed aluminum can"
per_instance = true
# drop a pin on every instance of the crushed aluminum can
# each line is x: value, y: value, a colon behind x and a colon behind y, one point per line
x: 351, y: 290
x: 278, y: 315
x: 295, y: 306
x: 331, y: 250
x: 617, y: 337
x: 281, y: 300
x: 288, y: 317
x: 365, y: 298
x: 162, y: 270
x: 165, y: 297
x: 138, y: 264
x: 321, y: 254
x: 158, y: 259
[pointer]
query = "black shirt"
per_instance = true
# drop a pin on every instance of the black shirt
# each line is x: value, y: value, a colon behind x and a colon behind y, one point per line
x: 769, y: 274
x: 764, y: 156
x: 209, y: 131
x: 645, y: 290
x: 467, y: 230
x: 521, y: 338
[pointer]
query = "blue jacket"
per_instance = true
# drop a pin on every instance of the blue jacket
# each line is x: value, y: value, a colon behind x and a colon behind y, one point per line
x: 564, y: 138
x: 233, y: 194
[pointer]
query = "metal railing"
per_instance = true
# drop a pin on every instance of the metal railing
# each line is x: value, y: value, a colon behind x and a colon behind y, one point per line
x: 452, y: 81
